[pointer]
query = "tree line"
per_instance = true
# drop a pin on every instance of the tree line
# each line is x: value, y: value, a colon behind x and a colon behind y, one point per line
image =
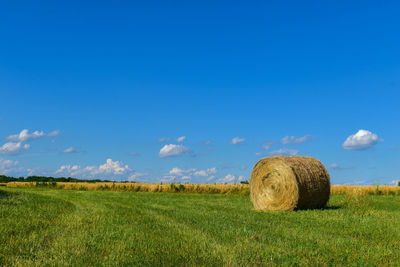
x: 7, y: 179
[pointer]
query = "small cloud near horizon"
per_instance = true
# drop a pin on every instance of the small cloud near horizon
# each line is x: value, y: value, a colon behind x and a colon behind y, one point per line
x: 110, y: 167
x: 230, y: 178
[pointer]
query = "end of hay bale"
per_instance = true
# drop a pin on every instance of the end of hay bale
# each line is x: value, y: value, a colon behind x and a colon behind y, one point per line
x: 289, y: 183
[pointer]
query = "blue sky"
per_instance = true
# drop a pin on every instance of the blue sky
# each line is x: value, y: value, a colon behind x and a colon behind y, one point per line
x: 105, y: 89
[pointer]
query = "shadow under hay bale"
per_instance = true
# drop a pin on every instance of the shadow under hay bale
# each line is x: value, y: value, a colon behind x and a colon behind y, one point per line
x: 289, y: 183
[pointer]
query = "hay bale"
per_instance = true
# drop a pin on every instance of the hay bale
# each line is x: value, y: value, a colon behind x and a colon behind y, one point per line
x: 289, y: 183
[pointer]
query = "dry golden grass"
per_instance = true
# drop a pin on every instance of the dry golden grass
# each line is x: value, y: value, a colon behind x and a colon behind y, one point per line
x: 201, y: 188
x: 144, y: 187
x: 366, y: 189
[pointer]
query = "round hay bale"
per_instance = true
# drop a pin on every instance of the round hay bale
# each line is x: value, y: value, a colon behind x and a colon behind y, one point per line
x: 289, y: 183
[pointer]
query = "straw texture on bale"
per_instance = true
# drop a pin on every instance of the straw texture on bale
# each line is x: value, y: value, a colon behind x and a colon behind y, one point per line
x: 289, y: 183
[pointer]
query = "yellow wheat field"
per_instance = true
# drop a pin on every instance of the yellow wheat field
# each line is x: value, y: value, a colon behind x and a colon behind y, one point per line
x: 143, y: 187
x: 366, y: 190
x: 200, y: 188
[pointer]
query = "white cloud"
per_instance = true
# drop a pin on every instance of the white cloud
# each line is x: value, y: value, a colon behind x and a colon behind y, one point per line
x: 176, y: 171
x: 76, y: 167
x: 212, y: 170
x: 109, y: 168
x: 112, y: 167
x: 295, y: 140
x: 207, y: 142
x: 258, y: 154
x: 173, y: 150
x: 201, y: 173
x: 267, y: 145
x: 134, y: 154
x: 179, y: 172
x: 31, y: 172
x: 69, y: 150
x: 54, y: 133
x: 237, y: 141
x: 137, y: 175
x: 189, y: 173
x: 16, y: 147
x: 229, y: 178
x: 24, y: 136
x: 7, y: 166
x: 12, y: 148
x: 284, y: 152
x: 166, y: 179
x: 181, y: 139
x: 395, y: 182
x: 362, y: 140
x: 204, y: 173
x: 72, y: 170
x: 210, y: 178
x: 335, y: 166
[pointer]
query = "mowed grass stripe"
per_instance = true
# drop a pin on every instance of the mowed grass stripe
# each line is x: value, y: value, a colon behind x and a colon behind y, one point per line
x: 125, y: 228
x: 137, y: 224
x: 26, y: 225
x: 189, y: 244
x: 284, y: 234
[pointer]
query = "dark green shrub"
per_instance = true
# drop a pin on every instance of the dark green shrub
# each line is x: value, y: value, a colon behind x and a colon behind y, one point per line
x: 181, y: 188
x: 377, y: 191
x: 174, y: 188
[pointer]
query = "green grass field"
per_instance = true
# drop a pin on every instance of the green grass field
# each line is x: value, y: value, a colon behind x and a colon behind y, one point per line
x: 40, y: 226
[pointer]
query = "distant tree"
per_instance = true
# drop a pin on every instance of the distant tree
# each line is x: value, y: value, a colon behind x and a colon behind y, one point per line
x: 7, y: 179
x: 46, y: 179
x: 244, y: 182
